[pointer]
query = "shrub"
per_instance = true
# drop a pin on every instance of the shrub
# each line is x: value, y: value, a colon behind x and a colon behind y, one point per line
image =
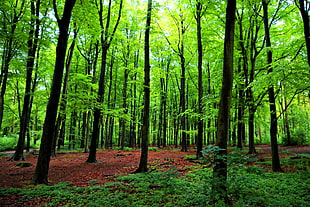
x: 8, y: 143
x: 298, y: 137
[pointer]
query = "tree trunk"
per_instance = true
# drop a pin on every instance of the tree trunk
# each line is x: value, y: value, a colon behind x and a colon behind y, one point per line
x: 97, y: 111
x: 123, y: 130
x: 32, y: 48
x: 106, y: 39
x: 63, y: 103
x: 304, y: 11
x: 200, y: 83
x: 133, y: 125
x: 72, y: 130
x: 110, y: 119
x: 7, y: 55
x: 146, y: 90
x: 272, y: 101
x: 183, y: 94
x: 219, y: 187
x: 161, y: 115
x: 41, y: 172
x: 251, y: 108
x: 253, y: 33
x: 240, y: 108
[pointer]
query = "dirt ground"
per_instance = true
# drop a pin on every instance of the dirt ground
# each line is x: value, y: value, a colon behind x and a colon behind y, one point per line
x: 71, y: 166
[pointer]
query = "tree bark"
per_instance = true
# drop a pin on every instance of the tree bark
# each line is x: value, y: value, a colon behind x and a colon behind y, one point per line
x: 304, y: 11
x: 146, y: 110
x: 123, y: 121
x: 41, y: 171
x: 183, y: 90
x: 219, y: 186
x: 200, y: 83
x: 272, y: 101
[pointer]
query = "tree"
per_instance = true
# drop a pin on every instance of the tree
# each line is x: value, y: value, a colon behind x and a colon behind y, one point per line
x: 12, y: 15
x: 304, y: 8
x: 198, y: 17
x: 106, y: 40
x: 146, y: 104
x: 271, y: 94
x: 253, y: 54
x: 61, y: 118
x: 41, y: 171
x: 32, y: 45
x: 179, y: 48
x: 219, y: 186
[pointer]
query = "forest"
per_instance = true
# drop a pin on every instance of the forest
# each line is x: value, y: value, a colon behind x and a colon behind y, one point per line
x: 203, y: 103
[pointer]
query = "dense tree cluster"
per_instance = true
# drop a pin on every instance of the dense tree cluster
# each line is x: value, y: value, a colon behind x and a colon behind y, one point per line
x: 73, y: 74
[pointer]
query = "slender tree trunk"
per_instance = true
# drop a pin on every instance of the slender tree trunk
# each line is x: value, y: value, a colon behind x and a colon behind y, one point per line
x: 161, y: 115
x: 110, y: 119
x: 183, y: 100
x: 97, y: 111
x: 209, y: 132
x: 32, y: 48
x: 133, y: 126
x: 252, y: 149
x: 272, y: 101
x: 41, y: 172
x: 251, y: 123
x: 240, y: 108
x: 253, y: 33
x: 165, y: 118
x: 162, y: 125
x: 146, y: 90
x: 286, y: 124
x: 72, y: 133
x: 87, y: 132
x: 7, y: 56
x: 219, y: 187
x: 251, y: 109
x: 123, y: 130
x: 106, y: 39
x: 200, y: 83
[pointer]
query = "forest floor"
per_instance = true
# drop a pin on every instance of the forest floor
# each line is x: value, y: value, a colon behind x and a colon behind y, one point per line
x: 70, y: 166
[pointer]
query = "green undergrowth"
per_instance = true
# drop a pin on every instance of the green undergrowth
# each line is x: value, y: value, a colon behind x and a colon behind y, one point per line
x: 298, y: 162
x: 247, y: 186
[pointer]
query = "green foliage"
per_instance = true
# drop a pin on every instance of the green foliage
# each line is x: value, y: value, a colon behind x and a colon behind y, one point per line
x: 8, y: 143
x: 190, y: 157
x: 299, y: 161
x: 153, y: 148
x: 248, y: 186
x: 298, y: 137
x: 125, y: 148
x: 299, y: 126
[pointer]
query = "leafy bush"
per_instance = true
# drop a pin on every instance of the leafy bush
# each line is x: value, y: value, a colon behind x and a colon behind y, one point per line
x: 298, y: 137
x: 8, y: 143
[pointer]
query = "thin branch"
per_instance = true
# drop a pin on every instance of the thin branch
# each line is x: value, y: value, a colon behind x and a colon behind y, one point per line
x: 56, y: 11
x: 298, y: 91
